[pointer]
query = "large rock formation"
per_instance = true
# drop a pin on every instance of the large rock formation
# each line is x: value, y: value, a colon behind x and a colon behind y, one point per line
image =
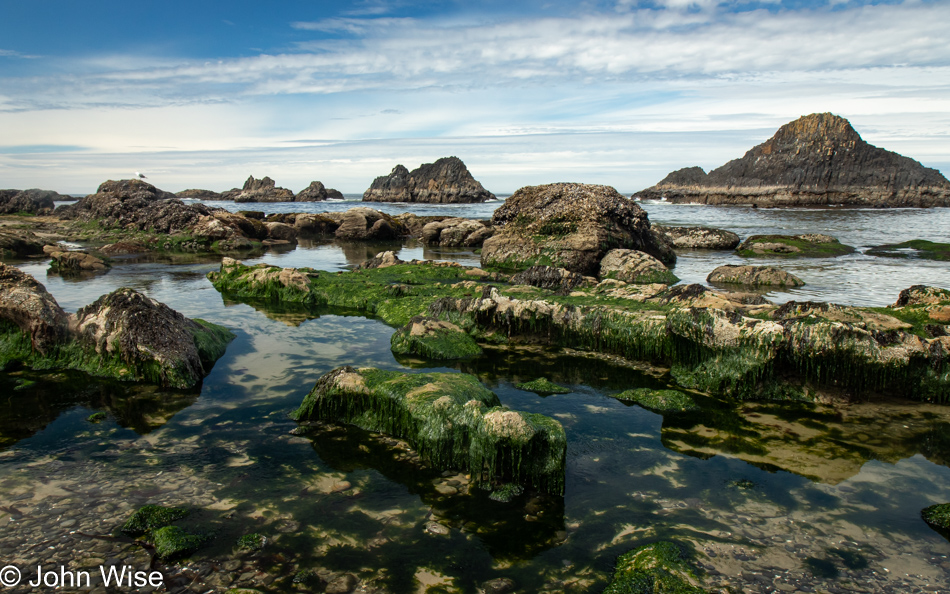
x: 317, y: 192
x: 445, y: 181
x: 260, y: 190
x: 571, y: 226
x: 29, y: 201
x: 816, y: 160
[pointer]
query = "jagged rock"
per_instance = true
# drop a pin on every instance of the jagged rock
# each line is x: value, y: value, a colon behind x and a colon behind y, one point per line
x: 633, y: 266
x: 316, y: 192
x: 163, y: 346
x: 133, y: 203
x: 445, y: 181
x: 434, y: 339
x: 33, y: 201
x: 698, y: 238
x: 197, y: 194
x: 818, y: 159
x: 76, y: 261
x: 380, y: 260
x: 548, y: 277
x: 19, y: 243
x: 260, y: 190
x: 27, y: 304
x: 362, y: 223
x: 808, y: 245
x: 754, y: 276
x: 569, y: 225
x: 455, y: 232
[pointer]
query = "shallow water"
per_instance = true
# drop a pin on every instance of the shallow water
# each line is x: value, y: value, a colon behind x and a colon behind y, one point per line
x: 767, y: 495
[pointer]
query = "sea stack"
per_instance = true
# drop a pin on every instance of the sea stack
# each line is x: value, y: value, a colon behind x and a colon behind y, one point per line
x: 817, y: 160
x: 443, y: 182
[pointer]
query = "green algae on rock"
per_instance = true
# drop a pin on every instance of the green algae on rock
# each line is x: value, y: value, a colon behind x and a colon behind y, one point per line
x: 450, y: 419
x: 433, y: 339
x: 809, y: 245
x: 543, y: 387
x: 915, y: 248
x: 937, y: 516
x: 97, y: 417
x: 172, y: 542
x: 152, y: 517
x: 659, y: 400
x: 251, y: 542
x: 658, y: 568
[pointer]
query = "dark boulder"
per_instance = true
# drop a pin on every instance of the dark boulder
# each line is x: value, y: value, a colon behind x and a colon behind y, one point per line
x: 29, y: 201
x: 197, y: 194
x: 260, y: 190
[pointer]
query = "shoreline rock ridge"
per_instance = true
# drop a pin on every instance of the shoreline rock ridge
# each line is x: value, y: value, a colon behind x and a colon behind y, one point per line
x: 816, y: 160
x: 447, y: 181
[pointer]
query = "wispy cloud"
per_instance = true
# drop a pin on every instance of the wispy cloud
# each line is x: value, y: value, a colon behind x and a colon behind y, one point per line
x: 5, y: 53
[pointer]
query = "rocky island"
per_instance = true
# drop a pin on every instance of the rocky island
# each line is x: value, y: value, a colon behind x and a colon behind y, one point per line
x: 817, y: 160
x: 443, y: 182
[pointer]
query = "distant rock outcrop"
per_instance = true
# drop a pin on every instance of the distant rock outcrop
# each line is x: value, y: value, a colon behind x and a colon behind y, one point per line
x: 445, y: 181
x: 260, y: 190
x: 29, y: 201
x: 196, y: 194
x: 816, y: 160
x: 317, y: 192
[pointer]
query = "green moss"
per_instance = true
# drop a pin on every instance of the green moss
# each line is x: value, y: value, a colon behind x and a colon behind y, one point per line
x: 506, y: 493
x: 937, y: 516
x: 915, y: 248
x: 24, y: 384
x: 211, y: 340
x: 543, y: 387
x: 659, y: 568
x: 737, y: 373
x: 665, y: 277
x: 805, y: 249
x: 97, y: 417
x: 251, y: 542
x: 659, y: 400
x: 151, y: 517
x: 171, y: 542
x: 450, y: 419
x: 429, y: 338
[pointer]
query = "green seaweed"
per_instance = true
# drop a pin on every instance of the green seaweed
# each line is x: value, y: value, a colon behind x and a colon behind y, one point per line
x: 807, y: 249
x: 915, y: 248
x: 152, y: 517
x: 659, y: 400
x: 97, y: 417
x: 251, y: 542
x: 937, y: 516
x: 434, y: 343
x: 543, y: 387
x: 450, y: 419
x: 172, y: 542
x: 506, y: 493
x: 658, y: 568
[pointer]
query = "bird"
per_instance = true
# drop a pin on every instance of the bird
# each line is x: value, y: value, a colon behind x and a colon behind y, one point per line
x: 140, y: 175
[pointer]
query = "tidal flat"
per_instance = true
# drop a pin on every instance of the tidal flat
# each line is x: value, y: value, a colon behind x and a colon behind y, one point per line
x: 767, y: 496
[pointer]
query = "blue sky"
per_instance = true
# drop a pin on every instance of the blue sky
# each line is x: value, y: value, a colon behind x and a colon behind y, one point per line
x: 202, y: 94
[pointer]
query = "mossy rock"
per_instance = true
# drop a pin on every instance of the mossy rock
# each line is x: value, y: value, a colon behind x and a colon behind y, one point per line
x: 810, y: 245
x: 434, y: 339
x: 450, y: 419
x: 97, y: 417
x: 543, y: 387
x: 506, y: 493
x: 937, y: 516
x: 915, y: 248
x: 152, y: 517
x: 172, y: 542
x: 658, y: 568
x: 659, y: 400
x: 251, y: 542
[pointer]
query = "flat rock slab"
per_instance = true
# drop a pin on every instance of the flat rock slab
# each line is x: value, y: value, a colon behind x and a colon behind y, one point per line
x: 754, y: 276
x: 809, y: 245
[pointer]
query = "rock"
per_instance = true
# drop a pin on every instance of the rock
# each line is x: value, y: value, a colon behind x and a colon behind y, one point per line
x: 915, y: 248
x: 159, y: 344
x: 808, y: 245
x: 571, y: 226
x: 361, y: 223
x: 499, y: 586
x: 260, y: 190
x: 543, y: 387
x: 123, y: 247
x: 698, y: 238
x: 455, y: 232
x: 415, y: 223
x: 133, y: 203
x: 445, y: 181
x: 342, y: 584
x: 281, y: 231
x: 76, y: 261
x: 436, y: 529
x: 257, y: 215
x: 195, y: 194
x: 549, y: 277
x: 19, y: 243
x: 450, y: 418
x: 29, y: 201
x: 27, y: 305
x: 658, y: 568
x: 433, y: 339
x: 633, y: 266
x: 172, y: 542
x: 381, y: 260
x: 754, y: 276
x: 937, y: 516
x: 317, y: 224
x: 316, y: 192
x: 659, y: 400
x: 818, y: 159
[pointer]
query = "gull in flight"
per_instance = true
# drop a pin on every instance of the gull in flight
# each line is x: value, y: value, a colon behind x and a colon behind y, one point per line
x: 140, y: 176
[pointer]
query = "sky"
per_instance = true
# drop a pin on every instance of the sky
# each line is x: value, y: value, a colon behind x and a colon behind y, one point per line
x: 203, y: 94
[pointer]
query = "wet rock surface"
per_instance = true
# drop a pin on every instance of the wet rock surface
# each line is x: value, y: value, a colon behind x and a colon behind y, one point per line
x: 361, y: 223
x: 633, y: 266
x: 444, y: 182
x: 698, y: 238
x: 27, y: 305
x: 754, y: 276
x: 571, y: 226
x: 549, y: 277
x: 808, y: 245
x: 455, y: 232
x: 19, y: 243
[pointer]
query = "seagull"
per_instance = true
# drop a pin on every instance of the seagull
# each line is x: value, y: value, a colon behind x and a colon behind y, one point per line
x: 139, y: 175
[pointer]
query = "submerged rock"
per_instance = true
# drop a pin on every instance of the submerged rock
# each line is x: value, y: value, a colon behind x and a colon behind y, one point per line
x: 809, y: 245
x: 450, y: 419
x: 152, y: 517
x: 816, y: 160
x: 571, y: 226
x: 633, y: 266
x: 445, y: 181
x: 698, y: 238
x: 659, y: 400
x: 433, y: 339
x: 754, y: 276
x: 915, y: 248
x: 658, y: 568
